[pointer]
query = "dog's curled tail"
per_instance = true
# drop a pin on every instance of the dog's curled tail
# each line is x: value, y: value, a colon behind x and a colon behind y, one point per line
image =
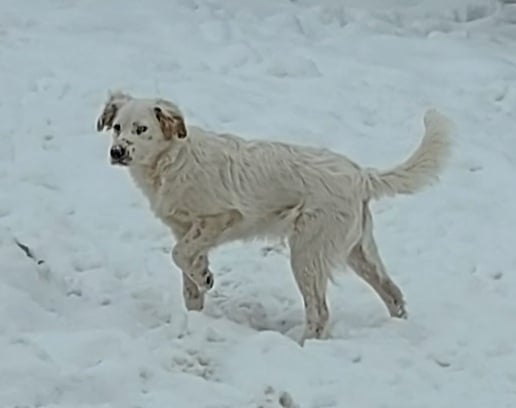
x: 421, y: 169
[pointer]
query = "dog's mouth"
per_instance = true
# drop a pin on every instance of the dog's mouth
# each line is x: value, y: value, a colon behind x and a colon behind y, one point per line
x: 123, y: 161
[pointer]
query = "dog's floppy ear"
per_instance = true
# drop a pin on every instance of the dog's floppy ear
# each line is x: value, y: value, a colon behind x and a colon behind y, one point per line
x: 114, y: 102
x: 170, y: 119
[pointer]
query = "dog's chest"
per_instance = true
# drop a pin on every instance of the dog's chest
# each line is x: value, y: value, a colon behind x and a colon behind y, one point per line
x: 146, y: 183
x: 149, y: 185
x: 178, y: 220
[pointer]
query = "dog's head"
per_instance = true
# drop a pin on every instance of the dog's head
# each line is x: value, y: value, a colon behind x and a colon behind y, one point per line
x: 142, y: 129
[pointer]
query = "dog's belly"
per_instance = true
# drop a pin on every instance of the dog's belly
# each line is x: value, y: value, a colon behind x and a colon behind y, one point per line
x: 272, y: 226
x: 244, y: 225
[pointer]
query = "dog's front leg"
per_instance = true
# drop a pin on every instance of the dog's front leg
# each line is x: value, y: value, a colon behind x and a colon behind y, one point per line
x: 192, y: 296
x: 191, y: 255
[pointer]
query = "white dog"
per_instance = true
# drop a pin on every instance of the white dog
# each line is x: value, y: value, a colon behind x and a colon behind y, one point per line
x: 214, y: 188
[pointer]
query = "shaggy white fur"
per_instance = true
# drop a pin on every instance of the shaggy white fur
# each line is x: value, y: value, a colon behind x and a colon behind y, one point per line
x: 214, y: 188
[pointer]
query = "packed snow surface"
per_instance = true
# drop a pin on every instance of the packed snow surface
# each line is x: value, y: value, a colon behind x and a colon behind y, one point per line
x: 100, y: 321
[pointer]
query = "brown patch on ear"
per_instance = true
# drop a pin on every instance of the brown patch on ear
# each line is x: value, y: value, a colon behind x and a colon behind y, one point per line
x: 111, y: 107
x: 180, y: 126
x: 172, y: 124
x: 166, y: 124
x: 106, y: 118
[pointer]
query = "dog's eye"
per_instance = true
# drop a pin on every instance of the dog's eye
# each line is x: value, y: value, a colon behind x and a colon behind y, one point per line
x: 117, y: 128
x: 141, y: 129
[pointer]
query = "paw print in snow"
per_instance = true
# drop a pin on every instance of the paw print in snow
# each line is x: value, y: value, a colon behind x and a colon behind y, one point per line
x: 274, y: 399
x: 193, y: 363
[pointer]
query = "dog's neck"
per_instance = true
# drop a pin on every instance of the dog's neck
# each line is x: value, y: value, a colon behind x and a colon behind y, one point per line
x: 145, y: 178
x: 148, y: 176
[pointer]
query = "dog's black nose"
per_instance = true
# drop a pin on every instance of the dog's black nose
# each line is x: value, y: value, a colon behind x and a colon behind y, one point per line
x: 117, y: 152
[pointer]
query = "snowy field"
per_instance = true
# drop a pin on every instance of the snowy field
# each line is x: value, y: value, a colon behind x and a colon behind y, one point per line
x: 101, y: 323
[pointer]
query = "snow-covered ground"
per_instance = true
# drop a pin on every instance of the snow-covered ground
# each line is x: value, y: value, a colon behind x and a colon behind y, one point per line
x: 101, y: 322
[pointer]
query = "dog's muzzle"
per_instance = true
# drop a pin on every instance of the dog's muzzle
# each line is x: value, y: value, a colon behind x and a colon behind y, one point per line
x: 119, y: 155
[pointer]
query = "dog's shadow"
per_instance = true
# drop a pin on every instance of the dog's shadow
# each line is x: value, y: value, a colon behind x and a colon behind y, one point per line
x: 276, y: 313
x: 285, y: 315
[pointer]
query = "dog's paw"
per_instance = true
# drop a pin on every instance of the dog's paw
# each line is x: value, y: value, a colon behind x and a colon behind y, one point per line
x: 194, y: 302
x: 397, y: 310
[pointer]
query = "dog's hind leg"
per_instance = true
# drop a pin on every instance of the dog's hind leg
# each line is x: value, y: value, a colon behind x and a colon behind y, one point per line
x: 365, y: 260
x: 311, y: 272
